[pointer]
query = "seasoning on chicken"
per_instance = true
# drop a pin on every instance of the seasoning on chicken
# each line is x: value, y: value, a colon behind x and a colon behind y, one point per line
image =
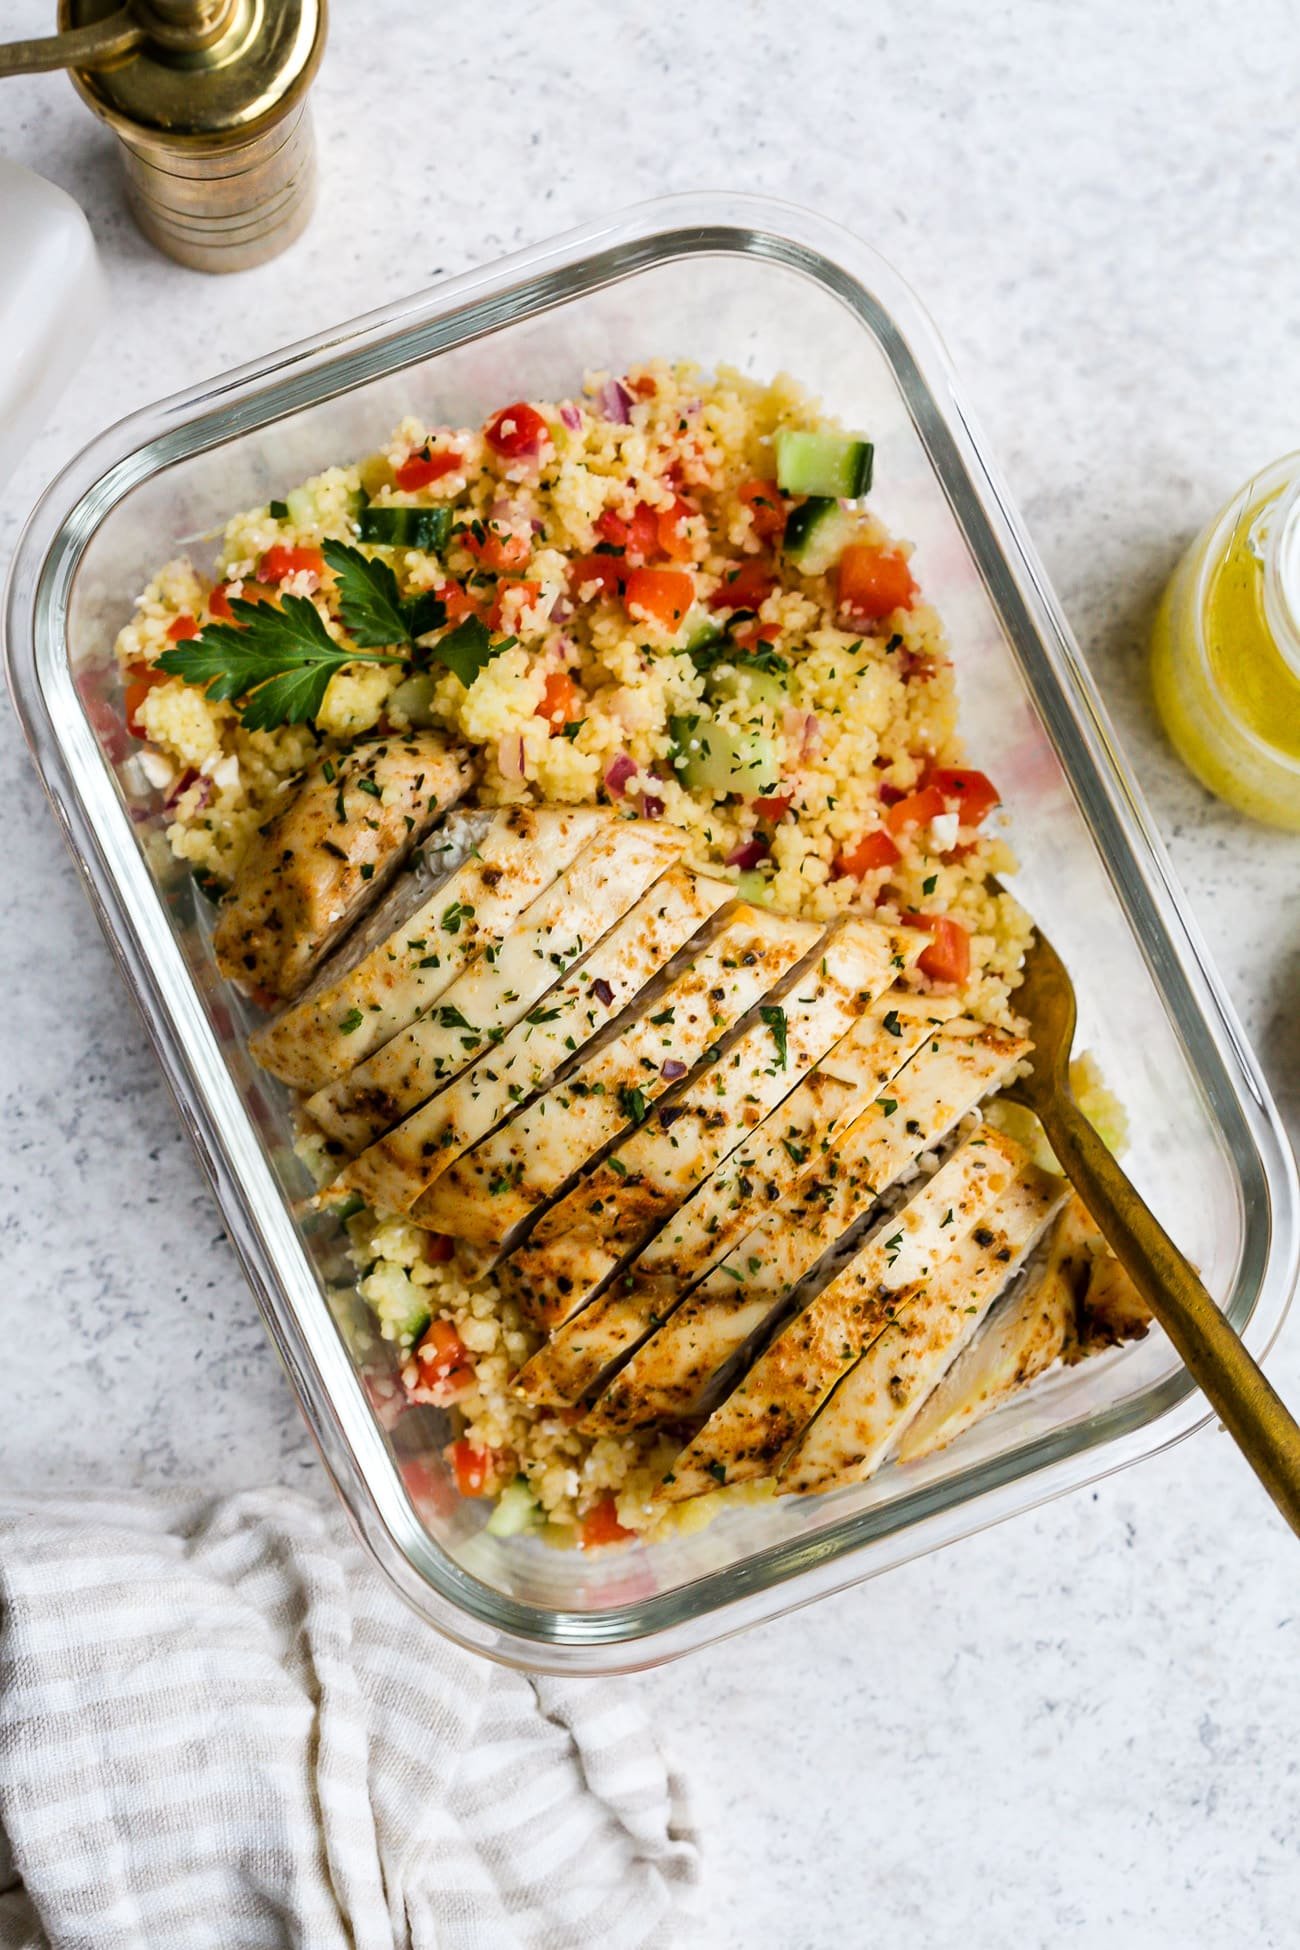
x: 580, y: 1241
x: 497, y: 1186
x: 464, y: 889
x: 761, y: 1419
x: 678, y: 1372
x: 400, y: 1167
x: 930, y: 1322
x: 317, y: 864
x: 556, y: 930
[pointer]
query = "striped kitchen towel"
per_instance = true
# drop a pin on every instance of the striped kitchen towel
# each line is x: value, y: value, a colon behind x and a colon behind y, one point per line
x: 220, y: 1729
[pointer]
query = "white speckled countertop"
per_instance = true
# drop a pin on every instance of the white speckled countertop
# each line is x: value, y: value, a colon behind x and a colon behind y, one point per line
x: 1079, y: 1728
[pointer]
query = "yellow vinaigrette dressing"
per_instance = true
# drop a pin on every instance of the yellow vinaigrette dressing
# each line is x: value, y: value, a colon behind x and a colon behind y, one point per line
x: 1226, y: 650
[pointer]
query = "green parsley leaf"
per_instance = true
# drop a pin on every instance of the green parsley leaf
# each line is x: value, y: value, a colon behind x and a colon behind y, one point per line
x: 888, y: 1105
x: 632, y: 1103
x: 718, y: 1471
x: 468, y: 649
x: 775, y: 1019
x: 929, y: 884
x: 278, y: 660
x: 352, y: 1020
x: 892, y: 1024
x: 369, y: 602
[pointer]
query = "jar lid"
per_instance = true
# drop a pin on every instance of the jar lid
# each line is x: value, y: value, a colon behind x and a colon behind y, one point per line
x: 51, y: 299
x: 1276, y: 537
x: 209, y: 72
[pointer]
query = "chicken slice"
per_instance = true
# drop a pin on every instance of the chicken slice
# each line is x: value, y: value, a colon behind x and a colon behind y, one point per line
x: 1020, y: 1338
x: 467, y: 885
x: 497, y: 1186
x: 318, y: 863
x: 607, y: 1214
x: 398, y: 1168
x: 498, y: 988
x: 758, y: 1179
x: 930, y: 1322
x: 759, y: 1421
x: 676, y: 1373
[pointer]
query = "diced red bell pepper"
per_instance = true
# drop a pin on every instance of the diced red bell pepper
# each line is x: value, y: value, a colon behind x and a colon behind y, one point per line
x: 674, y: 537
x: 561, y: 701
x: 947, y: 959
x: 872, y: 583
x: 868, y: 853
x: 917, y: 809
x: 644, y: 387
x: 418, y: 469
x: 601, y: 1525
x: 754, y: 635
x: 496, y: 615
x: 605, y: 571
x: 971, y: 795
x: 775, y: 806
x: 474, y: 1469
x: 182, y: 628
x: 516, y: 432
x: 142, y: 680
x: 637, y: 534
x: 250, y: 592
x: 279, y: 563
x: 660, y: 596
x: 496, y: 550
x: 766, y: 507
x: 458, y: 602
x: 444, y: 1359
x: 749, y: 587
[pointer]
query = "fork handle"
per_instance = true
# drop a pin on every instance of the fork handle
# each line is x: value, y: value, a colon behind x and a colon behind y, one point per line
x: 1247, y: 1404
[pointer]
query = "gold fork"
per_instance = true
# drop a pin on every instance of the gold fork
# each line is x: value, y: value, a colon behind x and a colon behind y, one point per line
x: 1256, y: 1418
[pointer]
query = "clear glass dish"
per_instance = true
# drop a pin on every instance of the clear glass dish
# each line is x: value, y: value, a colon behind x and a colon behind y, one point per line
x: 765, y: 287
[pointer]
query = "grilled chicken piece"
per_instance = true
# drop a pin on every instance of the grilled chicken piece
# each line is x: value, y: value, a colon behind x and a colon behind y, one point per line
x: 1020, y: 1338
x: 931, y: 1321
x: 398, y: 1168
x: 497, y: 1186
x: 759, y: 1179
x: 676, y: 1374
x: 467, y: 884
x: 759, y: 1421
x: 554, y: 931
x: 1107, y: 1306
x: 318, y: 863
x: 580, y: 1241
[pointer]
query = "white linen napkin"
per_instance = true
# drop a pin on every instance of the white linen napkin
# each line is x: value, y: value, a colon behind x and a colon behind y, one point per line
x: 220, y: 1729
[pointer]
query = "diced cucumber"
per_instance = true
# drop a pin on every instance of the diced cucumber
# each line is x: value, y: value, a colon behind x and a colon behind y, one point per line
x: 700, y: 630
x: 752, y: 683
x: 517, y: 1510
x: 816, y: 534
x: 751, y: 885
x: 414, y: 699
x: 300, y: 506
x: 711, y: 757
x: 834, y: 464
x: 400, y: 1307
x: 426, y: 528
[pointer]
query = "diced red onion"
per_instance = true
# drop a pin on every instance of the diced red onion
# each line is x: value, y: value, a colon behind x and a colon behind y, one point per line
x: 537, y: 524
x: 561, y: 610
x: 570, y: 415
x: 672, y: 1069
x: 651, y: 806
x: 748, y: 854
x: 890, y: 794
x: 802, y: 729
x: 620, y: 770
x: 615, y: 402
x: 603, y: 993
x: 182, y: 783
x: 510, y: 757
x: 140, y: 815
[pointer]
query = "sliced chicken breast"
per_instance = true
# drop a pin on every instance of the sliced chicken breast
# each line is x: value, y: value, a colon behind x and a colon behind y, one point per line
x: 464, y: 890
x: 761, y: 1174
x: 582, y: 1239
x: 674, y: 1376
x: 400, y: 1167
x: 750, y: 1433
x: 931, y: 1321
x: 553, y: 932
x: 320, y: 861
x: 1019, y: 1339
x: 497, y: 1186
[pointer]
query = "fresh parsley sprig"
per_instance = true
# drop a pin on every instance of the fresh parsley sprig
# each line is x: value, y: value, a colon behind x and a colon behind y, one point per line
x: 279, y: 658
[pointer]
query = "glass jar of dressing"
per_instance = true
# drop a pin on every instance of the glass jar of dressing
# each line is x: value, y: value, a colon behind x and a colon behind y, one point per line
x: 1226, y: 650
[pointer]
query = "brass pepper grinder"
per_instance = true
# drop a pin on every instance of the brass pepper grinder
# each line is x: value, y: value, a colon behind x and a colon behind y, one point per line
x: 209, y: 101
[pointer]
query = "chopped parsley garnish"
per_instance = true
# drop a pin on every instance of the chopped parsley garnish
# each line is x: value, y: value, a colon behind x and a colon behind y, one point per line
x: 774, y: 1017
x: 893, y: 1247
x: 632, y: 1103
x: 888, y: 1105
x: 352, y: 1020
x: 892, y: 1024
x: 929, y: 884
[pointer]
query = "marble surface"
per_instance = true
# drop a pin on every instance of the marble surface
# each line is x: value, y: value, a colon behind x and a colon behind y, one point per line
x: 1079, y: 1728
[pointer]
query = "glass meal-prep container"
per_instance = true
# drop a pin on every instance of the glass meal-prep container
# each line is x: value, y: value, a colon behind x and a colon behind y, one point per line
x: 717, y: 279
